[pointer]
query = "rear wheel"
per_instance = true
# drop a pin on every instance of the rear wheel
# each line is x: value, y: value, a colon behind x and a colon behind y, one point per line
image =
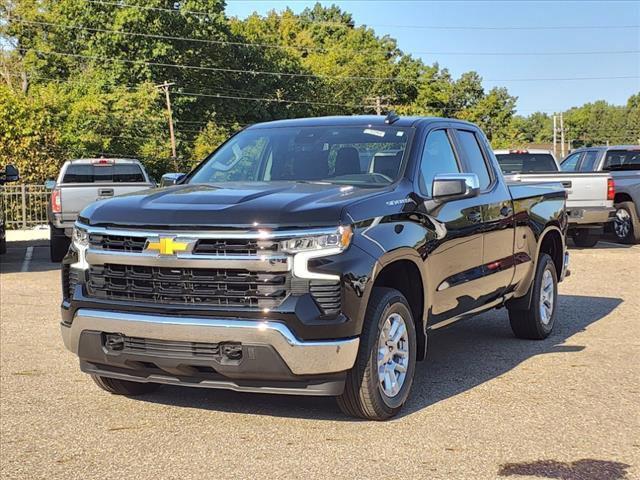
x: 58, y: 244
x: 124, y: 387
x: 537, y: 321
x: 626, y: 225
x: 585, y: 238
x: 379, y: 383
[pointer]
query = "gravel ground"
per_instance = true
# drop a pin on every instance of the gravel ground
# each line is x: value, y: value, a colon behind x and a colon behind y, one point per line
x: 484, y: 405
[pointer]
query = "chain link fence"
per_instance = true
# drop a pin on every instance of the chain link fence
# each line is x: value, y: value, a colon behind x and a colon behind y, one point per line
x: 24, y: 206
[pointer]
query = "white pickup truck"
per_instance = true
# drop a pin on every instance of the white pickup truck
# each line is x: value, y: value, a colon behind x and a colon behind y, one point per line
x: 589, y: 195
x: 82, y: 182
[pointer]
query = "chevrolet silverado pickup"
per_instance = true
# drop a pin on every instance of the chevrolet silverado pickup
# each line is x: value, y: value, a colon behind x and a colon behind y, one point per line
x: 312, y: 257
x: 622, y: 162
x: 83, y: 181
x: 589, y: 195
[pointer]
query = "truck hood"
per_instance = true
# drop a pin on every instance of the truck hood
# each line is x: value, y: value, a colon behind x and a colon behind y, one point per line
x: 233, y: 204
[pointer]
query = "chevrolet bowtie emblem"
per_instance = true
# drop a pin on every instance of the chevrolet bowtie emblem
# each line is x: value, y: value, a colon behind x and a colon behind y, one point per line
x: 168, y: 245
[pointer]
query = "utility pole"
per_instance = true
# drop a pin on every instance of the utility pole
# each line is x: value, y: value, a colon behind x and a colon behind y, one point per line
x: 165, y: 86
x: 562, y: 132
x: 555, y: 135
x: 378, y: 105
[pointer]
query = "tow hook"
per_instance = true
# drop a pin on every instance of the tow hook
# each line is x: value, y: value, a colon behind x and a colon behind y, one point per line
x: 114, y: 342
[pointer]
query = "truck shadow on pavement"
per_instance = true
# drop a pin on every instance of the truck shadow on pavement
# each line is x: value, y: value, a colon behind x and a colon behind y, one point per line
x: 460, y: 358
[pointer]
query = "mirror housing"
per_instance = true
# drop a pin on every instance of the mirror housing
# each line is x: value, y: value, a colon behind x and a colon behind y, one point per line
x: 50, y: 184
x: 169, y: 179
x: 10, y: 174
x: 455, y: 186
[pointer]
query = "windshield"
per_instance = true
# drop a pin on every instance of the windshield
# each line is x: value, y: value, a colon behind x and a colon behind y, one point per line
x: 526, y: 162
x: 363, y: 156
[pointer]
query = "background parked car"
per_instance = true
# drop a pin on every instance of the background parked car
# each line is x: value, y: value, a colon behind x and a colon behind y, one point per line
x: 82, y: 182
x: 10, y: 174
x: 623, y: 163
x: 589, y: 195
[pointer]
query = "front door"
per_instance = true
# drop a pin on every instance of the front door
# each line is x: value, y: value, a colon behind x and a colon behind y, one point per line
x: 454, y: 244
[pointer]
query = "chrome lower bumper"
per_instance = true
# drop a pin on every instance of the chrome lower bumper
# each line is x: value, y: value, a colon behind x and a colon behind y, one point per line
x: 302, y: 357
x: 590, y: 215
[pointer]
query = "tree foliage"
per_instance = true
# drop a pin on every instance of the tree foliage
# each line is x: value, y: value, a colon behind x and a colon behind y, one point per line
x: 79, y: 79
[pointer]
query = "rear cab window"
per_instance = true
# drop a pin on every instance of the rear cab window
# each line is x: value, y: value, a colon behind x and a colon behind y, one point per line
x: 97, y: 173
x: 525, y: 162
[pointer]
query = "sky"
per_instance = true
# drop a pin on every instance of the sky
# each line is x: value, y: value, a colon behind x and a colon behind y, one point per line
x: 409, y: 22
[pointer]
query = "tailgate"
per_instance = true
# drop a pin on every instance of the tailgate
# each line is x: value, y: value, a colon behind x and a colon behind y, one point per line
x: 583, y: 189
x: 75, y: 197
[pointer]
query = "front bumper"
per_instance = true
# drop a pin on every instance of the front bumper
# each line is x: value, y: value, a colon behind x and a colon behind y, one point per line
x: 273, y: 359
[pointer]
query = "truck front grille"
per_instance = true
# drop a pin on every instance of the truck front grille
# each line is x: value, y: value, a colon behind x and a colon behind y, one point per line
x: 188, y: 286
x: 204, y: 246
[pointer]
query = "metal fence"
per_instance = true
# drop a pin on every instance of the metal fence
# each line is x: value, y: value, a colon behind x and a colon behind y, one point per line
x: 24, y: 206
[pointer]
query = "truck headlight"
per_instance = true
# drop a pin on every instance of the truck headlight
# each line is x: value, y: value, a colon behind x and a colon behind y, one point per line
x: 339, y: 239
x: 316, y: 246
x: 80, y: 238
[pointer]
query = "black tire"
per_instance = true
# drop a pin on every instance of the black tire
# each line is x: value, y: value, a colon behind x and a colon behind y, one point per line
x: 58, y: 244
x: 529, y: 324
x: 124, y: 387
x: 363, y: 395
x: 3, y: 246
x: 585, y: 239
x: 626, y: 213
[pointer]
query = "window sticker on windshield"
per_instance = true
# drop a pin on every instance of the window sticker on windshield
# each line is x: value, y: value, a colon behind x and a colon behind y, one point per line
x: 399, y: 134
x: 370, y: 131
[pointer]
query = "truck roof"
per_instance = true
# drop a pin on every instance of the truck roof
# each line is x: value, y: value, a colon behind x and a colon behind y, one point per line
x: 533, y: 151
x: 604, y: 147
x: 353, y: 121
x: 83, y: 161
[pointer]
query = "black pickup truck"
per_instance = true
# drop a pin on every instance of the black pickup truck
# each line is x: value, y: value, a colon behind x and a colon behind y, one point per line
x: 311, y: 256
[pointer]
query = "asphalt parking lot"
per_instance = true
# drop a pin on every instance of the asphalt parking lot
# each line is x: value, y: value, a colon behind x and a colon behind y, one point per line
x: 484, y: 405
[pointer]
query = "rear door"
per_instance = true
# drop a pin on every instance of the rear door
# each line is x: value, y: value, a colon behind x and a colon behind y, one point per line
x: 497, y: 216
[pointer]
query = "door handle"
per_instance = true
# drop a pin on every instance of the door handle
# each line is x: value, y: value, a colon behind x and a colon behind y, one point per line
x: 105, y: 192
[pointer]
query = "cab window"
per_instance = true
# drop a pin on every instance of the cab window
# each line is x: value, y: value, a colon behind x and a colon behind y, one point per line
x: 570, y: 163
x: 437, y: 157
x: 474, y: 156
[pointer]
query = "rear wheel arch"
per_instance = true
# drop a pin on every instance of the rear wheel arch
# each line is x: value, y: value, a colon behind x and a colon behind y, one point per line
x: 551, y: 243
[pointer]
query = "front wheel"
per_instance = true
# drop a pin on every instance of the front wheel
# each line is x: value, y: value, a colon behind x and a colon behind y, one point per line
x: 378, y: 385
x: 536, y: 322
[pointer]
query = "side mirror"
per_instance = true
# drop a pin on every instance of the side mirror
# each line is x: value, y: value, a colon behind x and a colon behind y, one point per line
x: 455, y: 186
x: 50, y: 184
x: 10, y: 174
x: 169, y: 179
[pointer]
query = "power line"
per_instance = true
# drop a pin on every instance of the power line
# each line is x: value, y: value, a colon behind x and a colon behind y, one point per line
x: 181, y: 11
x: 314, y: 49
x: 311, y: 75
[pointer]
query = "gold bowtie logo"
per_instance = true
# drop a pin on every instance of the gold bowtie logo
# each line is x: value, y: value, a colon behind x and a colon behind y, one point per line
x: 167, y: 246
